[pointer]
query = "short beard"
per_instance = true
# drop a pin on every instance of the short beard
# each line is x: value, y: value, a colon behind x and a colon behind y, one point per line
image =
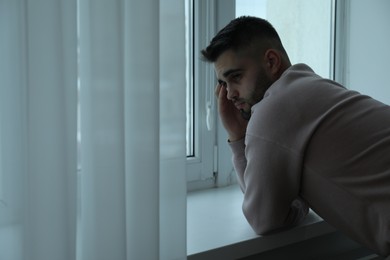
x: 245, y: 115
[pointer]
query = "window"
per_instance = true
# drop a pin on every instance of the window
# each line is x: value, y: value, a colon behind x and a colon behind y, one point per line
x: 306, y: 33
x: 307, y: 36
x: 200, y: 97
x: 189, y: 80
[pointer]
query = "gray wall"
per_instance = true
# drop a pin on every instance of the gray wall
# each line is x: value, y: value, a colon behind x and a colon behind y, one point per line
x: 368, y: 48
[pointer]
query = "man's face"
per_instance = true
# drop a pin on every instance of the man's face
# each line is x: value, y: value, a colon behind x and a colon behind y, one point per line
x: 245, y: 77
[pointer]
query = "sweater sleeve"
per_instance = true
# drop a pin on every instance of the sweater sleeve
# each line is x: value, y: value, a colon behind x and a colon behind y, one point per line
x: 269, y: 176
x: 239, y: 161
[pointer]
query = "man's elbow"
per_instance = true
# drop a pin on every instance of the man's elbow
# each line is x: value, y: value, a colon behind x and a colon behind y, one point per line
x: 262, y: 226
x: 265, y: 225
x: 261, y: 231
x: 268, y: 228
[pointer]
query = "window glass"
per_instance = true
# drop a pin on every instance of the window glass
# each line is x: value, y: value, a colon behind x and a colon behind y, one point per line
x: 304, y: 26
x: 200, y: 83
x: 189, y: 80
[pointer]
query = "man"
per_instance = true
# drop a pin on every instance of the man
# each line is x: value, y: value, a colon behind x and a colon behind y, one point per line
x: 299, y: 140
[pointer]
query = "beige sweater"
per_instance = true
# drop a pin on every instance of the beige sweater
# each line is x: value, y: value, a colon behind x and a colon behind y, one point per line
x: 312, y: 142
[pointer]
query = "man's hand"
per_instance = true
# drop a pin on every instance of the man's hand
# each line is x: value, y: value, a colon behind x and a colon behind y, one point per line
x: 231, y: 117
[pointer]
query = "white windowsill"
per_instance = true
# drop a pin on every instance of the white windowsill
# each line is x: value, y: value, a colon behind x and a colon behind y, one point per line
x: 217, y: 229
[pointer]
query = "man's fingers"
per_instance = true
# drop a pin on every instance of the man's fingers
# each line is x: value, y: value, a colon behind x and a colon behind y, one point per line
x: 221, y: 92
x: 217, y: 89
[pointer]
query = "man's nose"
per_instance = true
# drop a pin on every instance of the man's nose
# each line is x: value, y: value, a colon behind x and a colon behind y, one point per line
x: 232, y: 94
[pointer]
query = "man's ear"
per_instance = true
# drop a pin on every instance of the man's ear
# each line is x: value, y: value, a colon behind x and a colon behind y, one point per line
x: 273, y: 61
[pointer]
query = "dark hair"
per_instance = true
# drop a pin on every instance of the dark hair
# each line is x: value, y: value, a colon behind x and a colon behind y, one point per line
x: 240, y: 33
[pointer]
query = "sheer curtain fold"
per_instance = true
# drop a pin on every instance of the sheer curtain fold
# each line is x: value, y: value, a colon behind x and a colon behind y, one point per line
x: 173, y: 188
x: 38, y: 97
x: 92, y: 148
x: 102, y: 200
x: 142, y: 127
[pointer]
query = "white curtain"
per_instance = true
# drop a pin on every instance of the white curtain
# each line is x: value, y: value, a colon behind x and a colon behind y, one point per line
x: 92, y: 129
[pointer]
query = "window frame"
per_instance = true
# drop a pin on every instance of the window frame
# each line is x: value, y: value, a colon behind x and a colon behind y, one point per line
x: 211, y: 165
x: 201, y: 172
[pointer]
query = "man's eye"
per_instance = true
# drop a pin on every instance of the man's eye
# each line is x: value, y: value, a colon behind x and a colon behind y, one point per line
x: 236, y: 77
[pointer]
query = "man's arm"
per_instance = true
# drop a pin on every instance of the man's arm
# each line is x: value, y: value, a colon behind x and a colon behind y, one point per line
x: 269, y: 176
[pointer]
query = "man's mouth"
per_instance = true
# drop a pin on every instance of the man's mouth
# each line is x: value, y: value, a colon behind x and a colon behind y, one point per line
x: 239, y: 105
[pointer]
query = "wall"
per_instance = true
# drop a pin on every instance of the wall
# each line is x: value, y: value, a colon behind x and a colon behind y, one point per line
x: 367, y: 50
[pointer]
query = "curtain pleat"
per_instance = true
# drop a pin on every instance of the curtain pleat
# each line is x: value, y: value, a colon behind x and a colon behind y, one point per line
x: 141, y: 31
x: 51, y: 95
x: 173, y: 188
x: 102, y: 221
